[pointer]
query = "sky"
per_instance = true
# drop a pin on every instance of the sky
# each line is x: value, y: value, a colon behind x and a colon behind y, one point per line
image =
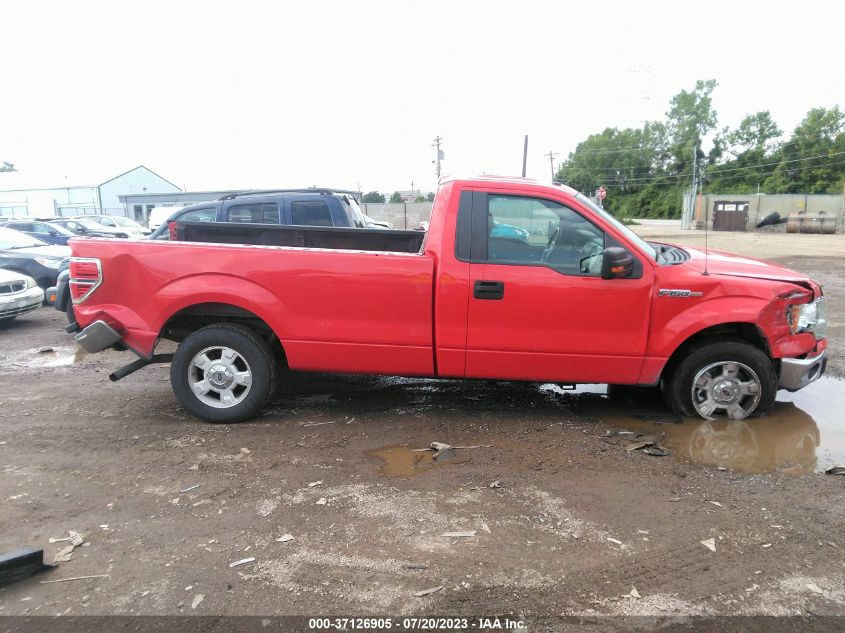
x: 247, y: 93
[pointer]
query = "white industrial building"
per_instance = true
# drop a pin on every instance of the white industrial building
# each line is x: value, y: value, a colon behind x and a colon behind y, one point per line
x: 21, y: 198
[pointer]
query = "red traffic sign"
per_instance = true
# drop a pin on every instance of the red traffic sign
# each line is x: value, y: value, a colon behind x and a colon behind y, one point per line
x: 601, y: 192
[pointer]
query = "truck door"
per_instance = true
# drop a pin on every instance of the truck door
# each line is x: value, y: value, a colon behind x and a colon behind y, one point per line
x: 538, y: 307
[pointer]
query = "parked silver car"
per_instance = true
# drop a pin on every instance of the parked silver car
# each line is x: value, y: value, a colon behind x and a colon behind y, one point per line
x: 19, y: 294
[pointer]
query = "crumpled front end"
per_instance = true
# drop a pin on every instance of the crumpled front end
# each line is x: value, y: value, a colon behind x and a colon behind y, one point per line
x: 796, y: 324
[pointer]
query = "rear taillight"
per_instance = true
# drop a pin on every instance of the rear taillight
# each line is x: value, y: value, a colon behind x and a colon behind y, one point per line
x: 86, y: 274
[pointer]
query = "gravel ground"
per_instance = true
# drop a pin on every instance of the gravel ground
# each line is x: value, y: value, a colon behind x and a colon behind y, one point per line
x: 564, y: 519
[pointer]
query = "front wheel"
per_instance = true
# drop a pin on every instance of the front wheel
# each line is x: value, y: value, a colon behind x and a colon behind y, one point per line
x: 223, y: 373
x: 722, y: 379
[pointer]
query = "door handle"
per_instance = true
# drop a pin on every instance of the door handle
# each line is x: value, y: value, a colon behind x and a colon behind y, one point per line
x: 488, y: 290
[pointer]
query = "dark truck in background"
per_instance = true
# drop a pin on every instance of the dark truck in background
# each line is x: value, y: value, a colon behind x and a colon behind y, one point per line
x: 298, y: 207
x: 234, y: 213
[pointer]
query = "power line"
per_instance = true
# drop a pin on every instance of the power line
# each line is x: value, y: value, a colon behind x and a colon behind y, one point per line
x: 778, y: 162
x: 732, y: 169
x: 664, y: 179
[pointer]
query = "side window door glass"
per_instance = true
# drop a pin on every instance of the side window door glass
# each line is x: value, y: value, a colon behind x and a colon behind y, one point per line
x: 255, y: 213
x: 199, y: 215
x: 532, y: 231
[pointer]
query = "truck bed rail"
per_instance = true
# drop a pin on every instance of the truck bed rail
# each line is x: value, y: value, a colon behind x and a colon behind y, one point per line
x: 384, y: 240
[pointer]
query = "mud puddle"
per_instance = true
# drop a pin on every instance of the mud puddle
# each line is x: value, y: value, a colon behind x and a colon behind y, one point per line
x: 403, y: 461
x: 803, y: 433
x: 47, y: 357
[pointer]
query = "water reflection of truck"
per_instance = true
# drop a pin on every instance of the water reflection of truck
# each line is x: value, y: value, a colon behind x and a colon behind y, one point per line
x: 785, y: 441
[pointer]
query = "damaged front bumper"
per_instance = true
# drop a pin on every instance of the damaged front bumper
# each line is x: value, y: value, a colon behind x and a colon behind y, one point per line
x: 797, y: 373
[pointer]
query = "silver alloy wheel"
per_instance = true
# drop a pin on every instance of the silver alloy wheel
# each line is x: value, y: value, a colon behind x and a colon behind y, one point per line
x: 219, y: 377
x: 727, y: 389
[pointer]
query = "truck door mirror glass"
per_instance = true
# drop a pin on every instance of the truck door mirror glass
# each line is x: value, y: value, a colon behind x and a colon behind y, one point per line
x: 616, y: 263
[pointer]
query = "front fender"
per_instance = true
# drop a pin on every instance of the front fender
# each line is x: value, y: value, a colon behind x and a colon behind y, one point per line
x: 669, y: 335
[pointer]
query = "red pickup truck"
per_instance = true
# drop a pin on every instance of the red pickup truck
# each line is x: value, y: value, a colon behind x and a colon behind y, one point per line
x: 515, y: 280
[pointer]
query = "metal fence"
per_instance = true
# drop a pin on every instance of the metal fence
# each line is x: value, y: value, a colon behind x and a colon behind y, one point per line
x: 402, y: 215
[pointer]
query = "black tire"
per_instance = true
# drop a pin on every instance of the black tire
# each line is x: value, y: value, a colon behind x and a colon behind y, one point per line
x: 252, y: 349
x: 677, y: 385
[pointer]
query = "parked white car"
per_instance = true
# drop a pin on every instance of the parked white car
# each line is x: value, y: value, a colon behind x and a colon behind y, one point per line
x: 19, y: 294
x: 120, y: 223
x: 160, y: 214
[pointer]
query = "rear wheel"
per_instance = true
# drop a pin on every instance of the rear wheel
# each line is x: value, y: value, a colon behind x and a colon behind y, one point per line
x: 722, y: 379
x: 223, y: 373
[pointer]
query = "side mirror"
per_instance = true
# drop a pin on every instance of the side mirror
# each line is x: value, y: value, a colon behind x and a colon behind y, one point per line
x: 616, y: 263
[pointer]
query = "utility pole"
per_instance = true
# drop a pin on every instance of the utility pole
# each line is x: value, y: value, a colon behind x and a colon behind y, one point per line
x: 694, y: 187
x: 524, y: 156
x: 437, y: 141
x: 551, y: 156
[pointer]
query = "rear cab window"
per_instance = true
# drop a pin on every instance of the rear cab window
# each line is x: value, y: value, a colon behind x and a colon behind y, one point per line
x: 310, y: 213
x: 253, y: 212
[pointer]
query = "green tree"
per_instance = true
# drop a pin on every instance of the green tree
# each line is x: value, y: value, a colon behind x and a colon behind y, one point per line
x: 756, y: 132
x: 690, y: 117
x: 751, y: 149
x: 813, y: 159
x: 429, y: 197
x: 372, y: 196
x: 395, y: 197
x: 646, y: 171
x: 419, y: 199
x: 4, y: 166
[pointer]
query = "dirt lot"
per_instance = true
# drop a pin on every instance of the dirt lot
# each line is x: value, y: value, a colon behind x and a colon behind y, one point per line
x: 166, y: 503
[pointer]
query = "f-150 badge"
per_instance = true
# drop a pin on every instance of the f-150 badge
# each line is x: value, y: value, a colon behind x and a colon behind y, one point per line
x: 664, y: 292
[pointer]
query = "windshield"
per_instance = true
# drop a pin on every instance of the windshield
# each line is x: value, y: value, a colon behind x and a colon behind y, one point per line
x: 61, y: 230
x: 125, y: 222
x: 89, y: 224
x: 9, y: 238
x: 628, y: 233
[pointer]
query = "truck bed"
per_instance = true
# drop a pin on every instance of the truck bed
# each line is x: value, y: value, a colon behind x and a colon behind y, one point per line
x: 349, y: 311
x: 383, y: 240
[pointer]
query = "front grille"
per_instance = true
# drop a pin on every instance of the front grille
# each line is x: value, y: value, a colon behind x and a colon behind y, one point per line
x: 11, y: 312
x: 12, y: 287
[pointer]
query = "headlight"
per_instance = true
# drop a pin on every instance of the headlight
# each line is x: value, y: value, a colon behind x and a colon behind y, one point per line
x: 49, y: 263
x: 808, y: 317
